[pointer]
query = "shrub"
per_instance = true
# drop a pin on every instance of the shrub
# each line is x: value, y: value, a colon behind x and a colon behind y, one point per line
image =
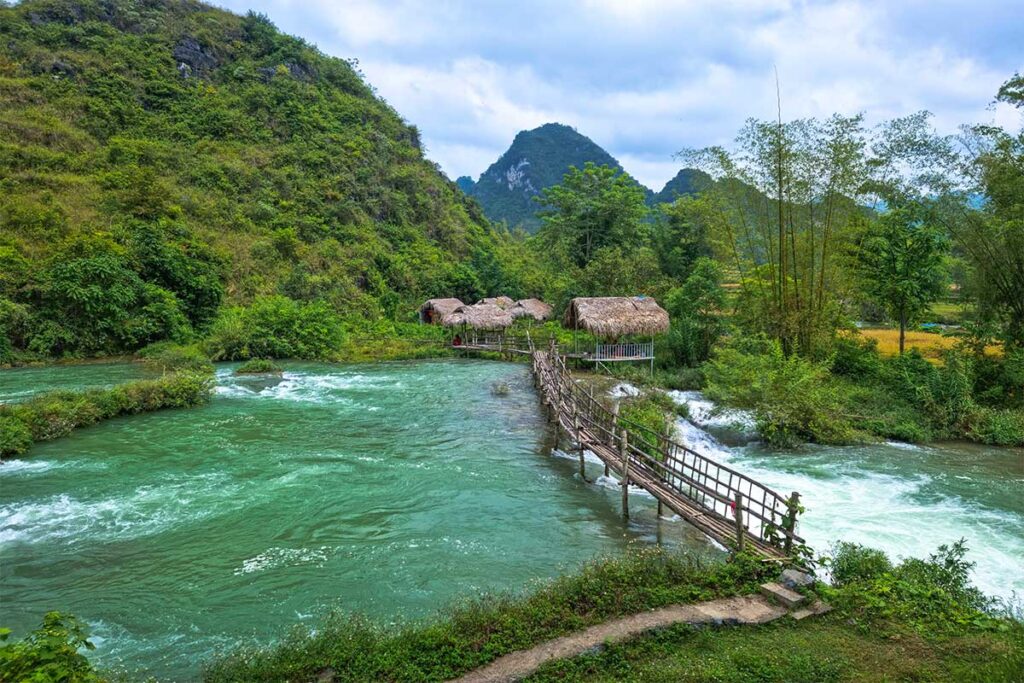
x: 275, y: 327
x: 56, y: 414
x: 258, y: 366
x: 171, y: 357
x: 932, y: 595
x: 997, y: 427
x: 15, y: 436
x: 790, y: 396
x: 851, y: 562
x: 50, y: 654
x: 855, y: 357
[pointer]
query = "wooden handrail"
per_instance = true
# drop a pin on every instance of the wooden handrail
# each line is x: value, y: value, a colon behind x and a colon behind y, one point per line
x: 697, y: 479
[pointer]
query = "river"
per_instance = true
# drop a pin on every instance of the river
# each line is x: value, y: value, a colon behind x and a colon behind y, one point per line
x: 392, y: 489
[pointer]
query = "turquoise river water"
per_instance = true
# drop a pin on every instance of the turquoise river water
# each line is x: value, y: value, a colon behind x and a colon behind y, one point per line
x: 390, y: 490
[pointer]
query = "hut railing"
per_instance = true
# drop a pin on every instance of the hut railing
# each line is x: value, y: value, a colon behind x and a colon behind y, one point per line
x: 623, y: 352
x: 719, y: 491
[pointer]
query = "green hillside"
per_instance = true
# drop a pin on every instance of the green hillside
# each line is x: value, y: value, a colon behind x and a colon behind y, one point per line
x: 162, y: 159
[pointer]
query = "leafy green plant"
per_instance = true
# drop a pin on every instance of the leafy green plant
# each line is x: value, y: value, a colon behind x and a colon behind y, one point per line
x: 171, y: 357
x: 276, y: 327
x: 258, y: 366
x: 789, y: 395
x: 50, y: 654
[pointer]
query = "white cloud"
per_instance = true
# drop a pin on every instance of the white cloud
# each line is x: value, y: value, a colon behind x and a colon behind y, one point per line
x: 647, y: 78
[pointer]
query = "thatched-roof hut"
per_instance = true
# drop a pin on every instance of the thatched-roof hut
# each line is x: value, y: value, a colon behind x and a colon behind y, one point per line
x: 479, y: 316
x: 499, y: 301
x: 434, y: 311
x: 532, y: 308
x: 616, y: 316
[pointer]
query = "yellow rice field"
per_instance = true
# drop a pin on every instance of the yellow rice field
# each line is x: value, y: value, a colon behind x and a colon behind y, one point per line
x: 929, y: 345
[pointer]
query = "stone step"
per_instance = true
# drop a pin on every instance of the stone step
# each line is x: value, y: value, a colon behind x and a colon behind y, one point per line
x: 812, y: 610
x: 776, y: 591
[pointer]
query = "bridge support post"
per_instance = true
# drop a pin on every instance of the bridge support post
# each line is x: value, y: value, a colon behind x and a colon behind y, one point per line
x: 579, y: 442
x: 624, y: 451
x: 790, y: 523
x: 614, y: 429
x: 740, y: 529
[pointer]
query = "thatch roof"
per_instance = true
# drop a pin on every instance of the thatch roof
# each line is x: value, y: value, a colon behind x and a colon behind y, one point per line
x: 533, y: 308
x: 435, y: 310
x: 499, y: 301
x: 479, y: 316
x: 614, y: 316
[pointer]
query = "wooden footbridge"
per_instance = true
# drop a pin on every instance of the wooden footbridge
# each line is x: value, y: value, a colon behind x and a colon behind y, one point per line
x: 726, y: 505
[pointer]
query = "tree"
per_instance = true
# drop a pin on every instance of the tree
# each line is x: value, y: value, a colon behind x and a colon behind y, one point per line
x: 902, y: 263
x: 593, y: 208
x: 695, y: 310
x: 992, y: 236
x: 782, y: 207
x: 680, y: 236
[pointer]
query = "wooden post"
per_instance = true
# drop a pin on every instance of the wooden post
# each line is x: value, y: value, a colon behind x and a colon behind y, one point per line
x: 740, y: 535
x: 624, y: 451
x: 793, y: 504
x: 614, y: 428
x: 579, y: 442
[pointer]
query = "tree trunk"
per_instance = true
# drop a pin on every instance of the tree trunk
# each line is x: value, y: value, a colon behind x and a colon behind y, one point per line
x: 903, y: 328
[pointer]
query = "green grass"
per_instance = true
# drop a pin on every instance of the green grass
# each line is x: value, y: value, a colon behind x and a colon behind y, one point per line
x: 815, y: 650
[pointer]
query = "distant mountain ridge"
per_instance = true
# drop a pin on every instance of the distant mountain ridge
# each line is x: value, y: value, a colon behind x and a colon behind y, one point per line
x: 538, y: 159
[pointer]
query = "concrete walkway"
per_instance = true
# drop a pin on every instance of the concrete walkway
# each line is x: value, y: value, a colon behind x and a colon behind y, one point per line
x: 747, y: 609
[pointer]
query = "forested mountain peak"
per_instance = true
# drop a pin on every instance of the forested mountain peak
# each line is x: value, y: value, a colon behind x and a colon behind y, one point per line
x: 535, y: 160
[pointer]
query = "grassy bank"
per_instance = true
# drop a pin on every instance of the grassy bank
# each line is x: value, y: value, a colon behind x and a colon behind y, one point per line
x: 56, y: 414
x: 478, y: 631
x: 917, y: 621
x: 819, y: 650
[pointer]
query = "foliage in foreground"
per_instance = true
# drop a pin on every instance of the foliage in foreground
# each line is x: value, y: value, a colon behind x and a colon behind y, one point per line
x: 474, y: 633
x: 50, y: 654
x: 918, y: 620
x: 56, y: 414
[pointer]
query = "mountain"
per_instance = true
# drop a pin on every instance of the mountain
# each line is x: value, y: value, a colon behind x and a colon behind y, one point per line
x: 162, y: 159
x: 536, y: 159
x: 688, y: 181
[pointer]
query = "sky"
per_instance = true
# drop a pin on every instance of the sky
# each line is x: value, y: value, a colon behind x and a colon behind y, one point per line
x: 647, y: 78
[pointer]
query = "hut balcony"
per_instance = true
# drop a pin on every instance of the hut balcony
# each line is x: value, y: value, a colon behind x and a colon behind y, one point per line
x: 629, y: 351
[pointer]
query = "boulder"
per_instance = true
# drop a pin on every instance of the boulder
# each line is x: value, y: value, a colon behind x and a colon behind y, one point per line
x: 794, y: 578
x: 199, y: 59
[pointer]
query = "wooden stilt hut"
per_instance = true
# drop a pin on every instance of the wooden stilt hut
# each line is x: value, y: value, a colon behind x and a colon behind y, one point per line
x: 613, y: 318
x: 433, y: 311
x: 483, y: 324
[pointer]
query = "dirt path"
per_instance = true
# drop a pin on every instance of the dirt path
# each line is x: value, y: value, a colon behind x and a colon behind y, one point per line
x: 747, y: 609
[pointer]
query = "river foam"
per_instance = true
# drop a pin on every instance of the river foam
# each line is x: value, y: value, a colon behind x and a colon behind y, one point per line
x: 875, y: 496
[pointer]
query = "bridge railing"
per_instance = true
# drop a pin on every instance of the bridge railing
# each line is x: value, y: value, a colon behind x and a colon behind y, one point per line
x: 718, y: 489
